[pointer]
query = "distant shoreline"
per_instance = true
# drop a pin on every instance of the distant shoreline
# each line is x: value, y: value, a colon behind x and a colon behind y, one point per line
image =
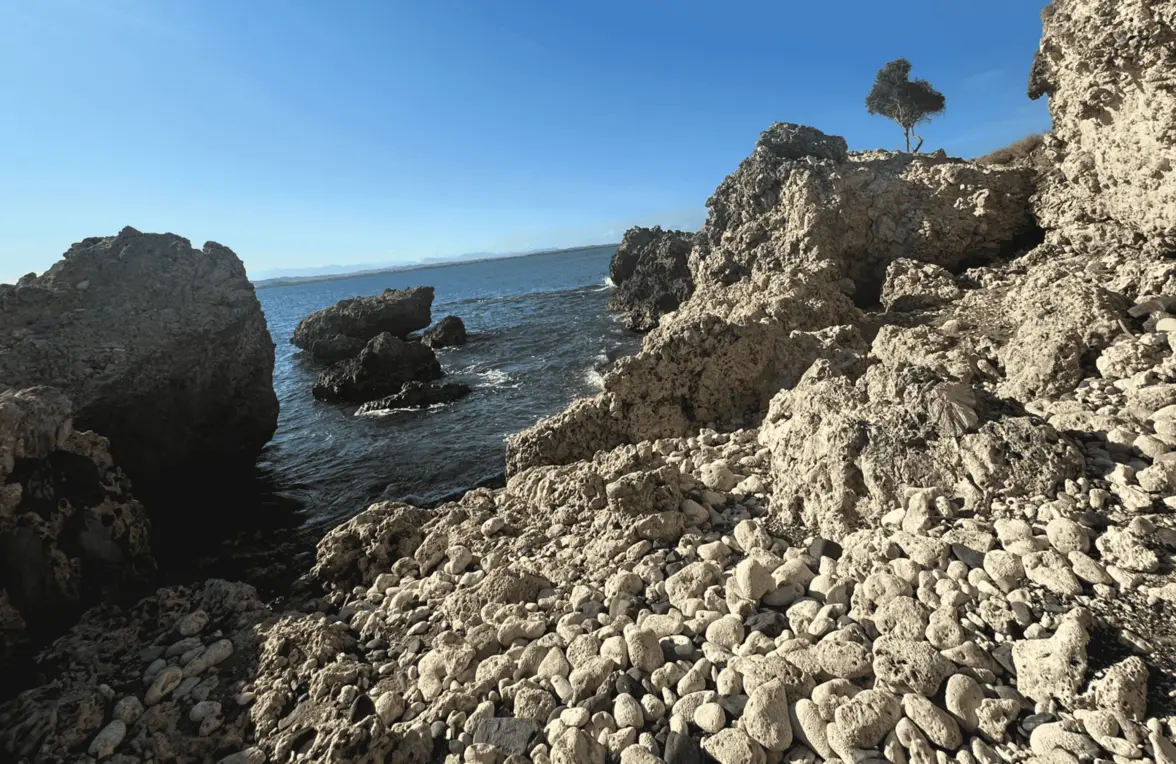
x: 282, y: 281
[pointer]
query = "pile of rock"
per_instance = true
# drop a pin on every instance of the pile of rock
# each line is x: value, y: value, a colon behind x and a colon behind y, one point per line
x: 373, y: 358
x: 936, y: 529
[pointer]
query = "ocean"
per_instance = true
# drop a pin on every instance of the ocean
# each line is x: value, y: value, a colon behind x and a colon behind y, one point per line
x: 539, y: 337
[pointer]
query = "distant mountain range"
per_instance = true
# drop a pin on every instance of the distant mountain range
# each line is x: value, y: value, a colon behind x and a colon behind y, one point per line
x: 285, y: 276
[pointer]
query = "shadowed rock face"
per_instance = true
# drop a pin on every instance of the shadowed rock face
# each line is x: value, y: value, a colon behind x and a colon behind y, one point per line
x: 162, y: 348
x: 652, y: 275
x: 70, y: 533
x: 342, y: 330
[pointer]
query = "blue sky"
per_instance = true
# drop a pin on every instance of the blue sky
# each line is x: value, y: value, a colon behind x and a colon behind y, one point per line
x: 303, y: 133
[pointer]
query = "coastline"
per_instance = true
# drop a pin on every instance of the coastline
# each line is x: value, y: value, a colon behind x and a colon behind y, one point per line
x: 296, y: 280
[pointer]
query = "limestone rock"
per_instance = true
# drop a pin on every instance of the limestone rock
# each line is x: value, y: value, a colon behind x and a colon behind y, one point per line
x: 447, y: 332
x: 911, y: 285
x: 1105, y: 66
x: 329, y: 334
x: 165, y: 352
x: 651, y: 274
x: 797, y: 230
x: 1053, y: 667
x: 71, y: 533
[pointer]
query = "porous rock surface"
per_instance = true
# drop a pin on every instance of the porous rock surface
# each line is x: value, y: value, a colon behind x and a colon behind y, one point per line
x: 70, y: 532
x: 651, y: 274
x: 794, y: 236
x: 936, y: 534
x: 1107, y: 68
x: 161, y: 348
x: 342, y: 330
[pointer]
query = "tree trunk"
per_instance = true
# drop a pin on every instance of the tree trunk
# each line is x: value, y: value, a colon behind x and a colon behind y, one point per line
x: 919, y: 145
x: 906, y: 133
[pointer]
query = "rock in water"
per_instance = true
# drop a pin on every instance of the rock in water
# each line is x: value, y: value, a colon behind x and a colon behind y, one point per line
x: 652, y: 275
x: 446, y: 332
x: 162, y: 348
x: 382, y: 368
x: 342, y: 330
x: 70, y: 533
x: 416, y: 395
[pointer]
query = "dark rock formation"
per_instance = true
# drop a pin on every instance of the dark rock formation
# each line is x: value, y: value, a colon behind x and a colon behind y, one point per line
x: 651, y: 271
x: 70, y: 533
x: 446, y: 332
x: 382, y: 368
x: 417, y: 395
x: 161, y: 348
x: 342, y: 330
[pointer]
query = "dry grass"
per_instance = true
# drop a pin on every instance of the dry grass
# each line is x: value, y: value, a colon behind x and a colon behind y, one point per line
x: 1020, y: 151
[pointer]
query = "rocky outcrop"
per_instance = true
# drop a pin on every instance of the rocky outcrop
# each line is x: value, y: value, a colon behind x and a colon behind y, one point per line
x: 70, y: 532
x: 911, y: 285
x: 651, y: 274
x: 992, y: 471
x: 795, y: 236
x: 345, y: 328
x: 447, y: 332
x: 417, y: 395
x: 384, y: 366
x: 162, y: 348
x: 1107, y: 68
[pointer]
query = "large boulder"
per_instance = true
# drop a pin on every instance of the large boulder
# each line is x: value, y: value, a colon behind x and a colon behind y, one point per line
x: 162, y: 348
x: 796, y: 236
x: 447, y: 332
x: 384, y: 366
x: 70, y: 532
x: 342, y: 330
x: 1107, y: 68
x: 845, y: 450
x: 651, y: 272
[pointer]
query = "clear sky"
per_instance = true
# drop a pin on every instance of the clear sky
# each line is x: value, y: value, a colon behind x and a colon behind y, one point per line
x: 307, y: 132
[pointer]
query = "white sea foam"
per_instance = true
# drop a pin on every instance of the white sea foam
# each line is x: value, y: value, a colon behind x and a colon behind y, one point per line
x: 594, y: 379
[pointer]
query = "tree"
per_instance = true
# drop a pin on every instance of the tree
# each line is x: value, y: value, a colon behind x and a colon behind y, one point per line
x: 908, y: 102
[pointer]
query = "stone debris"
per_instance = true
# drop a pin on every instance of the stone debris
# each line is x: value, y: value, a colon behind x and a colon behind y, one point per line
x: 886, y: 487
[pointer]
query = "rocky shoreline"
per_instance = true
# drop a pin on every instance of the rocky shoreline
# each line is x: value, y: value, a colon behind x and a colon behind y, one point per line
x: 895, y: 483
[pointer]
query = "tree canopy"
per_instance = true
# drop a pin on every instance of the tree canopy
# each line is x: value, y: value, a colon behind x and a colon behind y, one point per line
x: 908, y: 102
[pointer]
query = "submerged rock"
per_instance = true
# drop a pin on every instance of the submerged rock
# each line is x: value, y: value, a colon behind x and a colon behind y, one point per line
x: 344, y: 329
x: 384, y: 366
x: 447, y: 332
x: 651, y: 273
x: 415, y: 395
x: 160, y: 347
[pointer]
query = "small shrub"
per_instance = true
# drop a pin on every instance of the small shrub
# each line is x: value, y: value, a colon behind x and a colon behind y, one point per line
x: 1021, y: 151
